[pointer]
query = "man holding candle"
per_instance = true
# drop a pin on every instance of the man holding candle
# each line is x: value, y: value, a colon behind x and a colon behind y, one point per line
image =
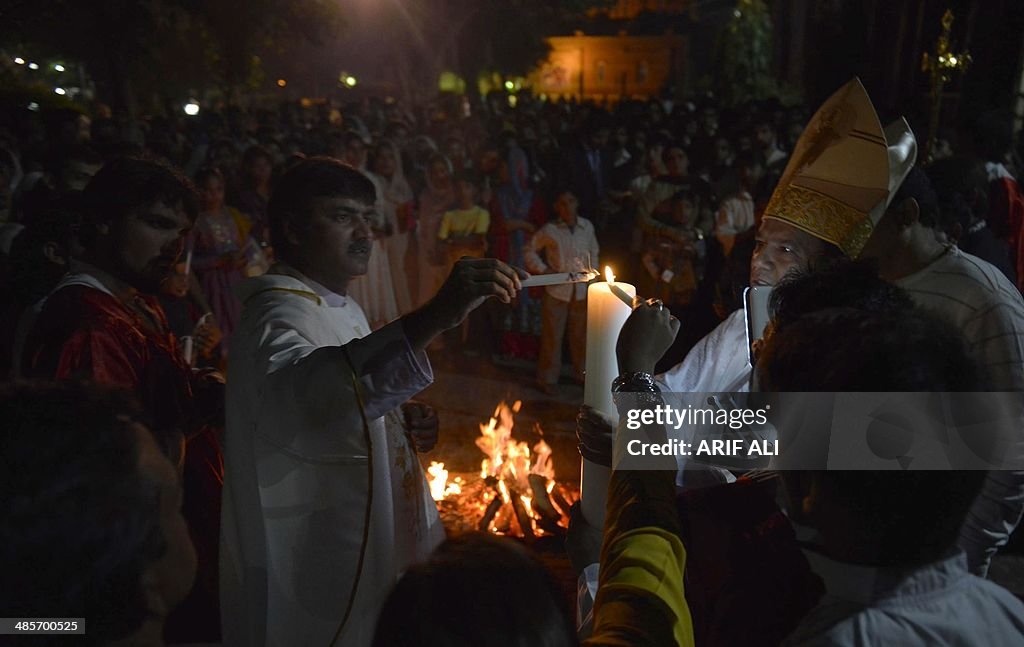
x: 851, y: 186
x: 844, y: 173
x: 325, y: 502
x: 567, y: 245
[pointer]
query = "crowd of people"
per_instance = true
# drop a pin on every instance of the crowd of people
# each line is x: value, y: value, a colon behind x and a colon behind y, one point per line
x: 242, y: 304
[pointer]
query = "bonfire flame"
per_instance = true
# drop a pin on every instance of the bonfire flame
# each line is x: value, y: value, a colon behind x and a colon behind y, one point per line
x: 508, y: 466
x: 437, y: 477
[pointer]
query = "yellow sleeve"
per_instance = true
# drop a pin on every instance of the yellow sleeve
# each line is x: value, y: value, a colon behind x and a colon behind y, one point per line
x: 242, y: 222
x: 483, y: 221
x: 641, y: 600
x: 446, y: 226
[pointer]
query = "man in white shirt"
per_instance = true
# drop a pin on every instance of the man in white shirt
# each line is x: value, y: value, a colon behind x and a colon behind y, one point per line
x: 567, y: 245
x: 988, y: 310
x: 767, y: 140
x: 325, y: 503
x: 884, y: 542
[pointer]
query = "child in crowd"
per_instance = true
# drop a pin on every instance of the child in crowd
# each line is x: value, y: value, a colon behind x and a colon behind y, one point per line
x: 463, y: 232
x: 673, y: 258
x: 682, y: 266
x: 464, y: 229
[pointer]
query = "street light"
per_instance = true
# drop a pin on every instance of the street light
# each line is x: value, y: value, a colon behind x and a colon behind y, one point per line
x: 350, y: 81
x: 60, y: 91
x: 19, y: 60
x: 33, y: 66
x: 281, y: 83
x: 191, y: 108
x: 58, y: 67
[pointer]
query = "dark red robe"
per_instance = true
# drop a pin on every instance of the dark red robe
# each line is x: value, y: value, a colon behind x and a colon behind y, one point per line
x: 86, y: 334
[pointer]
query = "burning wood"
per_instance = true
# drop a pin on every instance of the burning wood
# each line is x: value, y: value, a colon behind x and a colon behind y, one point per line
x: 559, y: 500
x: 489, y: 513
x: 546, y: 515
x: 514, y: 483
x: 521, y: 506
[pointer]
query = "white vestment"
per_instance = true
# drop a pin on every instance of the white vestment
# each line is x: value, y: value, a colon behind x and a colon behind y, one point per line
x: 298, y: 468
x: 716, y: 364
x: 719, y: 363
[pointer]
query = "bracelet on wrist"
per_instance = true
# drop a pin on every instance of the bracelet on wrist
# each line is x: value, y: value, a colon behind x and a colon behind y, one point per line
x: 635, y: 382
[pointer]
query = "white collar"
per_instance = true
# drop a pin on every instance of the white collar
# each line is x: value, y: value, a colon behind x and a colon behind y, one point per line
x: 331, y: 299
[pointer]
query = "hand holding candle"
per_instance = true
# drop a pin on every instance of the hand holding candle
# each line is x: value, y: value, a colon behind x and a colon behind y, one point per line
x: 558, y: 279
x: 617, y: 291
x: 609, y: 304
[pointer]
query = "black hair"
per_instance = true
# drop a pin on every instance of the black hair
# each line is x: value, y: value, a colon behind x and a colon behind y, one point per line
x: 992, y: 133
x: 81, y: 523
x: 82, y: 153
x: 914, y: 516
x: 961, y: 186
x: 917, y: 186
x: 254, y: 153
x: 57, y: 222
x: 350, y: 136
x: 129, y: 183
x: 595, y: 123
x: 509, y: 600
x: 437, y: 157
x: 207, y: 172
x: 669, y: 147
x: 658, y: 139
x: 748, y: 160
x: 836, y: 283
x: 688, y: 195
x: 469, y: 177
x: 312, y: 178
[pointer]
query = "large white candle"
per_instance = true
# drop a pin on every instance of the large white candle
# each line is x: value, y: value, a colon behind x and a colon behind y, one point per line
x: 605, y: 315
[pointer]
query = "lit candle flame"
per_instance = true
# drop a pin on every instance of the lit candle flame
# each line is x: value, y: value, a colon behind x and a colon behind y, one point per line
x: 608, y: 276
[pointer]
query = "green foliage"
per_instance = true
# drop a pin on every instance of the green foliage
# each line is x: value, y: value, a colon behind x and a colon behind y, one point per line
x: 193, y: 43
x: 241, y: 32
x: 744, y: 61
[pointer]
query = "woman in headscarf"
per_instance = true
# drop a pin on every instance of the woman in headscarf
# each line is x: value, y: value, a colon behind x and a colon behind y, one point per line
x: 434, y: 200
x: 395, y: 199
x: 517, y: 212
x: 375, y: 290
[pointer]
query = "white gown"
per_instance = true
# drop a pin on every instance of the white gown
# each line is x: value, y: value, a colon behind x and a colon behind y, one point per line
x: 375, y: 290
x: 717, y: 363
x: 297, y: 465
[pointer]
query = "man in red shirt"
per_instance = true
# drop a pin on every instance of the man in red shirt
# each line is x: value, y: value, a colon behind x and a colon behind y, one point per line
x: 102, y: 323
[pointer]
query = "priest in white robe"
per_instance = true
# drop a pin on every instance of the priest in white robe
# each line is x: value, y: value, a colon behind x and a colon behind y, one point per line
x: 325, y: 502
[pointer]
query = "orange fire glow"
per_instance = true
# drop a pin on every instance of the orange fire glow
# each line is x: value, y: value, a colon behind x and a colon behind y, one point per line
x: 508, y: 465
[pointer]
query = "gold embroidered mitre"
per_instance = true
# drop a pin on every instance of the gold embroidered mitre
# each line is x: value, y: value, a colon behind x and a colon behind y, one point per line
x: 844, y: 171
